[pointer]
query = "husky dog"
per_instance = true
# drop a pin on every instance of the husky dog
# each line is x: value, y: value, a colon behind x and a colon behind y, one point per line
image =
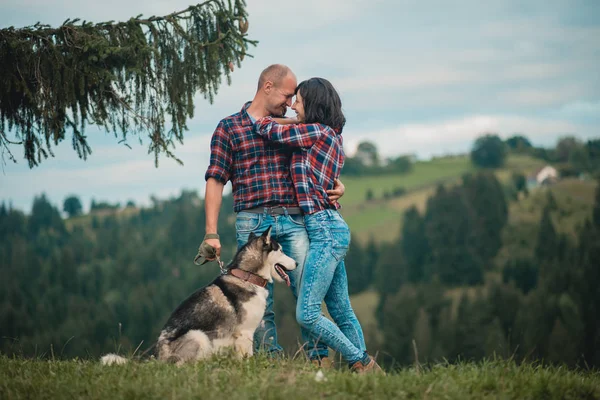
x: 226, y: 312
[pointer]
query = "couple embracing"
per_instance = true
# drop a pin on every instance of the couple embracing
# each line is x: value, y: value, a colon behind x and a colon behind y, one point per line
x: 284, y: 175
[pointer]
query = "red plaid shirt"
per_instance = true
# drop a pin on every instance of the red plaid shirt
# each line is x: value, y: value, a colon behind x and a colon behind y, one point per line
x: 259, y: 170
x: 316, y: 163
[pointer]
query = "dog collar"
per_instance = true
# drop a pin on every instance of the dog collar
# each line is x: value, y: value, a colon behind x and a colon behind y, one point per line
x: 248, y: 277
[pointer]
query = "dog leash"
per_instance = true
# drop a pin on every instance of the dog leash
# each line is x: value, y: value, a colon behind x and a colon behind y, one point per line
x: 217, y: 259
x: 221, y: 266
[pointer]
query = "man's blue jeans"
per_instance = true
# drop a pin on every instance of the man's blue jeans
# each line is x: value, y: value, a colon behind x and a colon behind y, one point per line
x: 325, y: 278
x: 290, y: 232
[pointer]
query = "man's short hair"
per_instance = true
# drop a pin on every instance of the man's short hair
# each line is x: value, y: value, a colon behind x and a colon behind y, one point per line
x: 274, y: 73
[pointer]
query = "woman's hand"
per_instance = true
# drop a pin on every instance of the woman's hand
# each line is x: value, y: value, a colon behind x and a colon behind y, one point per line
x: 337, y: 191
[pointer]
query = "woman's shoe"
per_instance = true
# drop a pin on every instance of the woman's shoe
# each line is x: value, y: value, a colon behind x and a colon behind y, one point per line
x: 370, y: 368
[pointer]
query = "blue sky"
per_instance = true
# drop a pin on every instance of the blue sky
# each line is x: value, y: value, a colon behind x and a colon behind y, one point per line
x: 424, y: 77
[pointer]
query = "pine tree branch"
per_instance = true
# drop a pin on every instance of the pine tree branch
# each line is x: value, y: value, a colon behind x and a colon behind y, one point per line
x: 125, y: 77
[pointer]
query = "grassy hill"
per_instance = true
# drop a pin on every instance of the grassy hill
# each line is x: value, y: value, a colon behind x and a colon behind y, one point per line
x: 574, y: 203
x: 382, y: 218
x: 259, y: 378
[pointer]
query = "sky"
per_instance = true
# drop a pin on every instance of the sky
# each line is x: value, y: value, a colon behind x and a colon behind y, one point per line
x: 415, y: 77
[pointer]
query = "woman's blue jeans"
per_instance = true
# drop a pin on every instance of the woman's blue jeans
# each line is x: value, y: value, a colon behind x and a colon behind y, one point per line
x: 325, y: 279
x: 290, y: 232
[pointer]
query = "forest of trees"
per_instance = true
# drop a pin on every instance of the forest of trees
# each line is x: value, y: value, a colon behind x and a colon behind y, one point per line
x: 86, y: 281
x: 546, y: 307
x: 107, y: 279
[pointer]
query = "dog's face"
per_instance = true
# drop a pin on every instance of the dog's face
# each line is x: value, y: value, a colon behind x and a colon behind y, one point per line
x: 274, y: 263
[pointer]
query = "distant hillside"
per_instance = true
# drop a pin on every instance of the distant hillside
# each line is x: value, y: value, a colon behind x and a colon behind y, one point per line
x: 574, y: 203
x: 382, y: 218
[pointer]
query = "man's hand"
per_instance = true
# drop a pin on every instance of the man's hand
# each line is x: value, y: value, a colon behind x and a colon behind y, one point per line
x: 337, y: 191
x: 216, y: 245
x: 209, y: 249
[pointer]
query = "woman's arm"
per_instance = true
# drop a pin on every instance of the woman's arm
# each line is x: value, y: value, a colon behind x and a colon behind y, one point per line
x: 292, y: 134
x: 286, y: 121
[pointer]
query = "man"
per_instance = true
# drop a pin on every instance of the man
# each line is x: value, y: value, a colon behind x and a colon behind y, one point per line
x: 263, y: 191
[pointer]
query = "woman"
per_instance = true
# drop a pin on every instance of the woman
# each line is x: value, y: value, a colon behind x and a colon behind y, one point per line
x: 316, y: 164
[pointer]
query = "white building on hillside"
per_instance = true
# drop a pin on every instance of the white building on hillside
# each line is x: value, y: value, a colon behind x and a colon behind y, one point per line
x: 543, y: 176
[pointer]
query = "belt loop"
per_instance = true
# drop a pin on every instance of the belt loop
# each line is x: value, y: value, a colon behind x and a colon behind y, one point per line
x: 265, y: 212
x: 285, y: 211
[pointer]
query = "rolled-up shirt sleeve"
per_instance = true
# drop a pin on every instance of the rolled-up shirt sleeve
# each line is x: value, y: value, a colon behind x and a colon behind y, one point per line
x: 220, y: 156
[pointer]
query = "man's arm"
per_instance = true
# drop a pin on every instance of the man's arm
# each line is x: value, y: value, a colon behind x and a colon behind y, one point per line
x: 217, y: 175
x: 212, y: 206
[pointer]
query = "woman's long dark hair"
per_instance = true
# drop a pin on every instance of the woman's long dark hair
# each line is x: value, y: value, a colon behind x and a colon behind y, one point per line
x: 322, y: 104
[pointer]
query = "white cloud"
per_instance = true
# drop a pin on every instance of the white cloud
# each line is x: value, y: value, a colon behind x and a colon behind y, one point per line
x: 457, y: 135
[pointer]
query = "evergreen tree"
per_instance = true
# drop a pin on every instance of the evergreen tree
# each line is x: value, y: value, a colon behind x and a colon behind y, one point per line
x: 449, y: 230
x: 128, y: 77
x: 471, y: 321
x: 44, y: 216
x: 486, y: 199
x: 522, y: 271
x: 398, y: 326
x: 504, y: 302
x: 547, y: 241
x: 372, y: 254
x: 358, y: 267
x: 390, y: 273
x: 596, y: 211
x: 414, y: 245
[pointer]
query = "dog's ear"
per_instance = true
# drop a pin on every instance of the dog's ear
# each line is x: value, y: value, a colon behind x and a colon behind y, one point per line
x: 251, y: 236
x: 267, y: 235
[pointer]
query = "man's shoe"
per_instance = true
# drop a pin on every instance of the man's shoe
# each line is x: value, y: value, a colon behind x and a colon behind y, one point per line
x: 323, y: 362
x: 370, y: 368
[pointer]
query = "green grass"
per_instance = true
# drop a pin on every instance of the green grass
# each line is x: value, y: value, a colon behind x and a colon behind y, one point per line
x: 424, y: 173
x: 259, y: 378
x: 381, y: 218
